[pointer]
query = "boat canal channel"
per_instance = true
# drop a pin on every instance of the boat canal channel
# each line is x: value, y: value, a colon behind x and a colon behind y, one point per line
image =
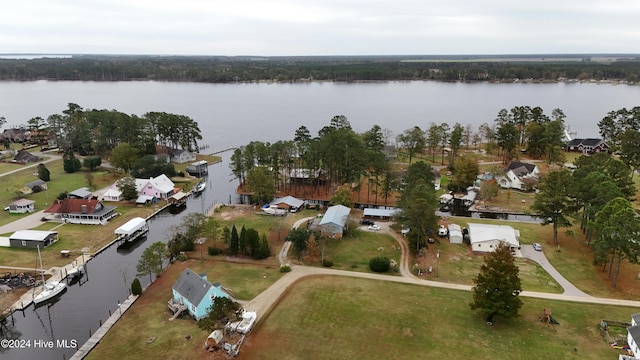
x: 58, y: 328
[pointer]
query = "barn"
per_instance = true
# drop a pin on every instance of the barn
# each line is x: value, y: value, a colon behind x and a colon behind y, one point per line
x: 33, y: 238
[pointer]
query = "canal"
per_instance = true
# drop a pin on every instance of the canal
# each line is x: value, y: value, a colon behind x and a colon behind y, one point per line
x: 68, y: 322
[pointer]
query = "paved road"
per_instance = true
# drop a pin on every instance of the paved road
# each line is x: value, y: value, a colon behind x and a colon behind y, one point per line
x: 265, y: 301
x: 538, y: 256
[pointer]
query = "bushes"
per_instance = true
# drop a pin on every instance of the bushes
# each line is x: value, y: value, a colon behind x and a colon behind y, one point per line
x: 285, y: 268
x: 136, y: 287
x: 327, y: 262
x: 214, y: 251
x: 379, y: 264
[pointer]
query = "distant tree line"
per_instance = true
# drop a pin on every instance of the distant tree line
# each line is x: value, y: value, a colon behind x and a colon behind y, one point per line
x: 286, y: 69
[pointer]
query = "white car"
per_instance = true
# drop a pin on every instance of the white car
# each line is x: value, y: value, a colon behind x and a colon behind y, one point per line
x: 374, y: 227
x: 442, y: 231
x: 537, y: 247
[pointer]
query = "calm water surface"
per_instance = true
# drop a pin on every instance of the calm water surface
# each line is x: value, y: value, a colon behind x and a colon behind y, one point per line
x: 234, y: 114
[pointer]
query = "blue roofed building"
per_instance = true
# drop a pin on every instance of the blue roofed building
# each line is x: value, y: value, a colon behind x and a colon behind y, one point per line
x: 334, y: 221
x: 195, y: 294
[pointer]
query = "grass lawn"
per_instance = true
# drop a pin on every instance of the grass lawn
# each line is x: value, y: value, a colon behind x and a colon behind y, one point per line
x: 148, y: 317
x: 354, y: 253
x: 72, y: 237
x: 330, y: 318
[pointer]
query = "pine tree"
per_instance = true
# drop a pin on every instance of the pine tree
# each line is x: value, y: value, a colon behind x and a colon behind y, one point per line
x: 234, y: 243
x: 497, y: 286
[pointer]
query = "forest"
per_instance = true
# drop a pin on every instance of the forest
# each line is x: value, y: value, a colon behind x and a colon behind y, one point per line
x: 223, y: 69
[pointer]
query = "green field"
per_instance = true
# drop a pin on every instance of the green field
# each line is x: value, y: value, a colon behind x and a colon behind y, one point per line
x: 342, y: 318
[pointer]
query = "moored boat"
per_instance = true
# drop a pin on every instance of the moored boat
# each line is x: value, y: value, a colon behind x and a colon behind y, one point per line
x: 50, y: 291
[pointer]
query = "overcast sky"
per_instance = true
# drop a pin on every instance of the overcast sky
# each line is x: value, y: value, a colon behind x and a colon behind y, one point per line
x: 319, y: 27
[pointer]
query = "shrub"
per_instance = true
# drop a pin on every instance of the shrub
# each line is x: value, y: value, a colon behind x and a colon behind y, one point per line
x: 214, y: 251
x: 327, y: 262
x: 182, y: 257
x: 136, y: 287
x: 285, y: 268
x: 379, y: 264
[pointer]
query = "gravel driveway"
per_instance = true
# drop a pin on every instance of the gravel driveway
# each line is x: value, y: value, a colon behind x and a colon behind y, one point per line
x: 538, y: 256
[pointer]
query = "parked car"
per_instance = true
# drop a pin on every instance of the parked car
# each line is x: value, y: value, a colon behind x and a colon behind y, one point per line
x: 537, y: 247
x: 442, y: 231
x: 374, y: 227
x: 366, y: 222
x: 405, y: 231
x: 6, y: 208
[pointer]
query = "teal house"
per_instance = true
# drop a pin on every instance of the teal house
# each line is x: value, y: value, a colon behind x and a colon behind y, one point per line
x: 195, y: 294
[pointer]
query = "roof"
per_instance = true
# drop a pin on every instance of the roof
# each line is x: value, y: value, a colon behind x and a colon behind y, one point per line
x: 454, y: 227
x: 163, y: 183
x: 131, y: 226
x: 485, y: 232
x: 70, y: 206
x: 192, y: 286
x: 35, y: 235
x: 112, y: 193
x: 636, y: 317
x: 380, y: 212
x: 178, y: 196
x: 521, y: 168
x: 634, y: 331
x: 25, y: 156
x: 585, y: 142
x: 289, y: 200
x: 35, y: 183
x: 23, y: 202
x: 142, y: 199
x: 337, y: 214
x: 82, y: 193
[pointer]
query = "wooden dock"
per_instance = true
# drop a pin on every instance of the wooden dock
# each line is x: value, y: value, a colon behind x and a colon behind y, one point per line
x: 102, y: 331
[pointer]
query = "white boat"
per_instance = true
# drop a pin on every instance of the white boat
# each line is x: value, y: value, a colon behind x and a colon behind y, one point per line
x: 50, y: 291
x: 200, y: 187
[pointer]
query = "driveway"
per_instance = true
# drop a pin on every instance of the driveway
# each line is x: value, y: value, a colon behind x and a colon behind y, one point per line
x: 538, y: 256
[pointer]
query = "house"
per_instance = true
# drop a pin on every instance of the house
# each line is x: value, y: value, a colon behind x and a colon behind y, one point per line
x: 25, y: 157
x: 486, y: 237
x: 81, y: 193
x: 160, y: 187
x: 380, y: 214
x: 587, y: 146
x: 334, y: 221
x: 455, y: 234
x: 15, y: 135
x: 633, y: 335
x: 288, y: 203
x: 33, y: 238
x: 519, y: 175
x: 180, y: 156
x: 36, y: 185
x: 112, y: 194
x: 196, y: 293
x: 81, y: 211
x: 22, y: 206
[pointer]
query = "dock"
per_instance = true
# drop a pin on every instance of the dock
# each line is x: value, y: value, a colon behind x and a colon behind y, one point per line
x: 58, y: 273
x: 102, y: 331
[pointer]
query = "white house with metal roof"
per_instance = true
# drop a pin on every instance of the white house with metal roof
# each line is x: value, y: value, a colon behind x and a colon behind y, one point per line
x: 487, y: 237
x: 334, y: 221
x: 633, y: 335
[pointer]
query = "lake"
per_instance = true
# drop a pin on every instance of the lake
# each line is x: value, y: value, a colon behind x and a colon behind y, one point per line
x: 234, y: 114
